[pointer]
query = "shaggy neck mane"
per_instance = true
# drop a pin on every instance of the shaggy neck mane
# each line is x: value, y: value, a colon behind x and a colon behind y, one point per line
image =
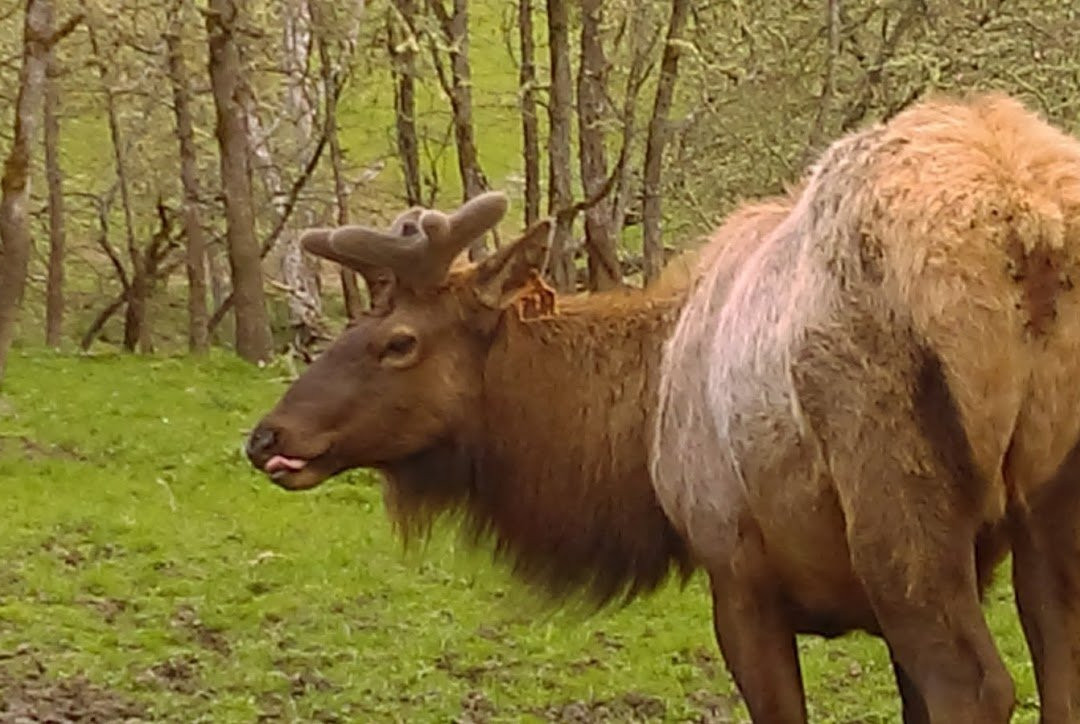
x: 556, y: 473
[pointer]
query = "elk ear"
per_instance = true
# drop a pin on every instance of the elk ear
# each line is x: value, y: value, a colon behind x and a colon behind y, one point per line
x: 501, y: 276
x: 380, y: 280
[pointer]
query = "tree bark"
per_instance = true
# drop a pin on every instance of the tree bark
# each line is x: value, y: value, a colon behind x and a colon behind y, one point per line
x: 560, y: 100
x: 592, y: 90
x: 268, y: 243
x: 402, y: 52
x: 136, y: 331
x: 455, y: 29
x: 530, y: 129
x: 331, y: 72
x: 220, y: 294
x: 14, y: 184
x: 300, y: 272
x: 195, y: 238
x: 652, y: 245
x: 641, y: 44
x: 54, y: 281
x: 253, y: 340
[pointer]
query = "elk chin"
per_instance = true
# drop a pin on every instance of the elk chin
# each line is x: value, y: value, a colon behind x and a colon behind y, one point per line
x: 304, y: 479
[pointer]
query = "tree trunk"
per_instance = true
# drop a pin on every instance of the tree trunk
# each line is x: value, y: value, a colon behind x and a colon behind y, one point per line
x: 253, y: 341
x: 530, y: 130
x: 403, y: 67
x: 195, y: 255
x: 220, y: 291
x: 331, y: 72
x: 299, y: 273
x: 560, y: 100
x: 641, y: 43
x: 135, y: 313
x: 135, y: 331
x: 652, y: 245
x: 14, y: 184
x: 592, y: 90
x: 54, y: 283
x: 455, y: 29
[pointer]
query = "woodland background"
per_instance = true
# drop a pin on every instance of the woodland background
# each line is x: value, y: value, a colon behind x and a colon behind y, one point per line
x: 159, y: 160
x: 638, y: 123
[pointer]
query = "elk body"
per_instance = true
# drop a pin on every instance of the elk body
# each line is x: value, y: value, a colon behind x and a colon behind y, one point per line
x: 858, y: 401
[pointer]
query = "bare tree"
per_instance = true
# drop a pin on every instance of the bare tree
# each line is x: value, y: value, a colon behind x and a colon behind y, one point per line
x: 530, y: 130
x: 253, y: 340
x: 643, y: 35
x: 603, y: 261
x: 910, y: 13
x: 14, y: 184
x: 157, y: 265
x: 332, y: 75
x: 652, y: 245
x: 54, y: 280
x: 224, y: 328
x: 297, y: 115
x: 136, y: 328
x: 402, y: 47
x: 195, y: 257
x: 454, y: 25
x: 560, y: 101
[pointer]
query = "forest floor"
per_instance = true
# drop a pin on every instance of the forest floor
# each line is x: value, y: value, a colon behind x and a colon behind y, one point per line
x: 147, y: 573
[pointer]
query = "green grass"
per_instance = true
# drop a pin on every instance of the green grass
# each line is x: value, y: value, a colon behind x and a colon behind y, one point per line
x: 140, y: 549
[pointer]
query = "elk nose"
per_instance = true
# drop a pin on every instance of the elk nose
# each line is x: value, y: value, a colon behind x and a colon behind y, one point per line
x: 259, y: 443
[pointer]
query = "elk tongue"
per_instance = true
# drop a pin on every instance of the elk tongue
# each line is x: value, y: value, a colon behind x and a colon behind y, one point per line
x: 279, y: 463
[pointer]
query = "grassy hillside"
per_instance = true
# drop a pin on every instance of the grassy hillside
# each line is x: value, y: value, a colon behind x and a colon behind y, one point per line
x: 142, y: 552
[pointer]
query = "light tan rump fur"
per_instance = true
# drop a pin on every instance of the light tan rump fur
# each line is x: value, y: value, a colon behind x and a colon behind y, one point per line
x: 866, y: 378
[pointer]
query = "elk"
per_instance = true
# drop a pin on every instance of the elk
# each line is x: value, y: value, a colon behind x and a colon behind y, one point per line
x: 846, y: 408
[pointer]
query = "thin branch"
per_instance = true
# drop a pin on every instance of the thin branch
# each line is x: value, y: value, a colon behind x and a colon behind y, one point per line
x: 569, y: 212
x: 64, y: 30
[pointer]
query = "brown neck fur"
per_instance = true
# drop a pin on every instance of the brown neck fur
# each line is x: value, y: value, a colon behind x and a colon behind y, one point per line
x: 557, y: 473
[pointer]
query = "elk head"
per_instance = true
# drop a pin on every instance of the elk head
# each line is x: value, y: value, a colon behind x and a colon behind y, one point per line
x: 407, y: 375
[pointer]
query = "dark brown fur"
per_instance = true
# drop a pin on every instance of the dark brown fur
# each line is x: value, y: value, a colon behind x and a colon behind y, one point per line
x: 556, y: 475
x: 939, y: 420
x: 1041, y: 278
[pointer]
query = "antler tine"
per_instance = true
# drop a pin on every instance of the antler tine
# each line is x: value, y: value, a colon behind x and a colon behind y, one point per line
x: 452, y: 233
x: 420, y: 245
x: 478, y: 215
x: 406, y: 255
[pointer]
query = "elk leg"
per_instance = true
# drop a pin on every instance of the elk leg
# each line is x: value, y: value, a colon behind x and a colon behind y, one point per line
x: 1046, y: 582
x: 917, y: 564
x: 755, y: 636
x: 913, y: 499
x: 914, y: 708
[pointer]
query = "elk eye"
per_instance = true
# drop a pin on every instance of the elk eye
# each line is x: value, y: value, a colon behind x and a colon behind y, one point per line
x: 401, y: 344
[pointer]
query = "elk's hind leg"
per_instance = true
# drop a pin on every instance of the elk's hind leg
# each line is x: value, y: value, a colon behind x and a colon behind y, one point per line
x: 922, y: 586
x: 912, y: 499
x: 1046, y: 581
x: 755, y: 635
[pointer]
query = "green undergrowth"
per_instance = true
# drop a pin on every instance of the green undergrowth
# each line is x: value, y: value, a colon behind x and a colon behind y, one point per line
x: 139, y: 549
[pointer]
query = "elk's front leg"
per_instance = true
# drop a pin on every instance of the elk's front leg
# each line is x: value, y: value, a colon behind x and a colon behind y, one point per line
x: 755, y: 636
